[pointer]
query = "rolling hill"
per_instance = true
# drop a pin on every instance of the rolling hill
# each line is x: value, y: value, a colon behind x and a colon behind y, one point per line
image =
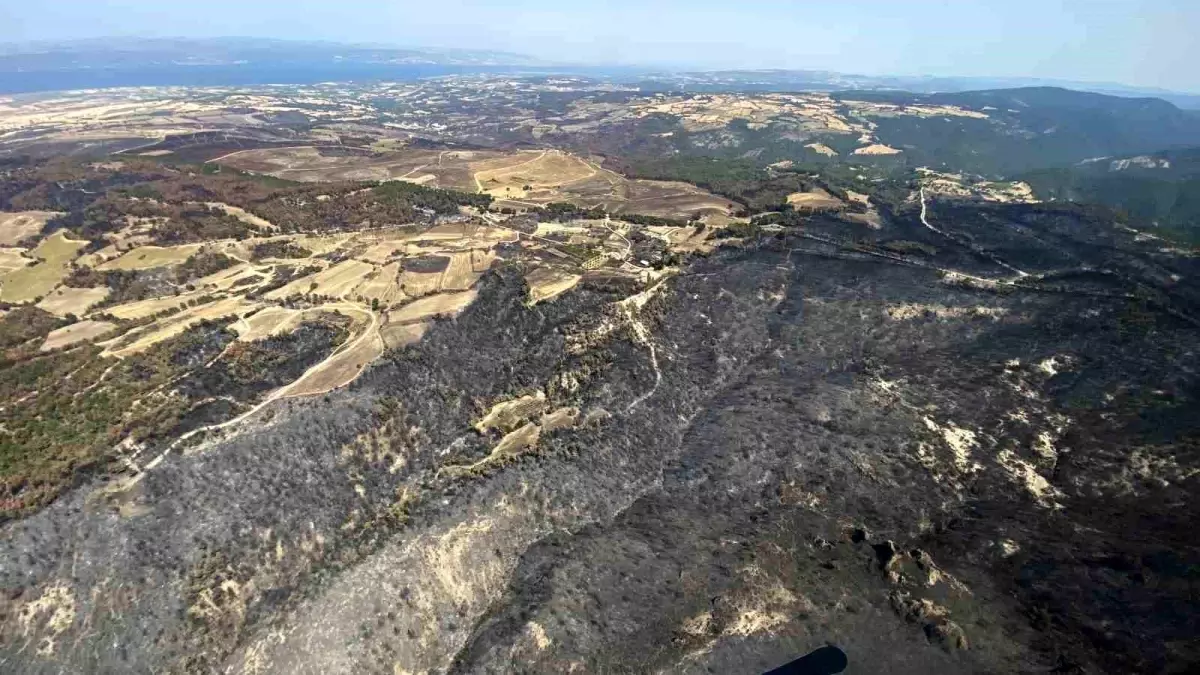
x: 1031, y: 128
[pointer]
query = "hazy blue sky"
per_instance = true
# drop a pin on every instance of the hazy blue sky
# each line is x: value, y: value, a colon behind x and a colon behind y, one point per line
x: 1142, y: 42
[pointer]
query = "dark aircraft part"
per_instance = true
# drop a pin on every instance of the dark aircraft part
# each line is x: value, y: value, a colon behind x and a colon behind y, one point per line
x: 824, y: 661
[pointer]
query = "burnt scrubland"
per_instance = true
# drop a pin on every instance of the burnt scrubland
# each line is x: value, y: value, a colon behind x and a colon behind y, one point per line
x: 805, y: 438
x: 679, y: 383
x: 65, y: 411
x: 182, y: 201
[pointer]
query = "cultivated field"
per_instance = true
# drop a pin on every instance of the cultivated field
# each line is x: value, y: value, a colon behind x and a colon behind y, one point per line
x: 815, y: 199
x: 35, y: 281
x: 515, y: 178
x: 547, y: 283
x: 431, y: 306
x: 268, y: 322
x: 17, y: 226
x: 147, y: 257
x: 140, y: 309
x: 382, y: 285
x: 13, y: 259
x: 465, y: 268
x: 392, y: 281
x: 400, y: 335
x: 82, y: 331
x: 341, y: 368
x: 63, y: 300
x: 141, y: 339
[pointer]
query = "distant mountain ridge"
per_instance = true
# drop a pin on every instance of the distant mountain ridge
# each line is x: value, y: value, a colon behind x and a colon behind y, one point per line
x: 18, y: 61
x: 1162, y: 188
x: 821, y: 80
x: 1032, y: 128
x: 144, y: 52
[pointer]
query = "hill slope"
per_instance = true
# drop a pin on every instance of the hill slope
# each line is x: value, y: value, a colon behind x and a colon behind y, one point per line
x: 1035, y: 127
x: 1161, y: 188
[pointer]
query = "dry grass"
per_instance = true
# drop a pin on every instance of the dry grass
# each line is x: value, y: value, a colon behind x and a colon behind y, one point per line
x: 100, y: 257
x: 815, y: 199
x: 13, y: 259
x: 77, y: 301
x: 243, y: 215
x: 321, y: 244
x: 551, y: 176
x: 545, y: 229
x: 858, y: 197
x: 512, y: 445
x: 341, y: 368
x: 822, y: 149
x: 307, y: 164
x: 147, y: 257
x: 506, y: 415
x: 76, y: 333
x: 139, y: 309
x: 954, y: 185
x: 416, y: 284
x: 562, y: 418
x: 546, y: 283
x: 227, y: 278
x: 337, y: 281
x: 447, y: 232
x: 516, y: 441
x: 268, y: 322
x: 382, y: 247
x: 465, y: 269
x: 876, y: 149
x: 144, y: 338
x: 910, y: 311
x: 17, y: 226
x: 402, y: 335
x: 871, y: 219
x: 522, y: 438
x: 383, y: 285
x: 431, y: 306
x: 381, y: 253
x: 693, y: 238
x: 29, y: 283
x: 667, y: 199
x: 547, y: 171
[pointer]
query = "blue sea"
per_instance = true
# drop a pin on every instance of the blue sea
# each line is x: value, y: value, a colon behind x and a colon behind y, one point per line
x: 257, y: 74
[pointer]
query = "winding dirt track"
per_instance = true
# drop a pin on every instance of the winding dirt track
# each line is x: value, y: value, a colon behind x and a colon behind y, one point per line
x: 282, y: 392
x: 995, y: 259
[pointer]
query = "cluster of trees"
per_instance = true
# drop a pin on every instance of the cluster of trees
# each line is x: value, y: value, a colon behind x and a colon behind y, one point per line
x: 438, y: 200
x: 66, y: 410
x: 1166, y: 194
x: 124, y: 285
x: 66, y: 184
x: 279, y: 248
x: 24, y: 323
x: 336, y: 207
x: 564, y: 211
x: 100, y: 199
x: 202, y: 264
x: 173, y: 223
x: 743, y: 181
x: 130, y: 285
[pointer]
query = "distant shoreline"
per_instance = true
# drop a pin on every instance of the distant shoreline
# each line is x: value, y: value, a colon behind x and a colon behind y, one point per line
x: 259, y: 74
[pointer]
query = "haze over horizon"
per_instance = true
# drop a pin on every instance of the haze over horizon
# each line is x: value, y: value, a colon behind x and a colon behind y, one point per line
x: 1145, y: 43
